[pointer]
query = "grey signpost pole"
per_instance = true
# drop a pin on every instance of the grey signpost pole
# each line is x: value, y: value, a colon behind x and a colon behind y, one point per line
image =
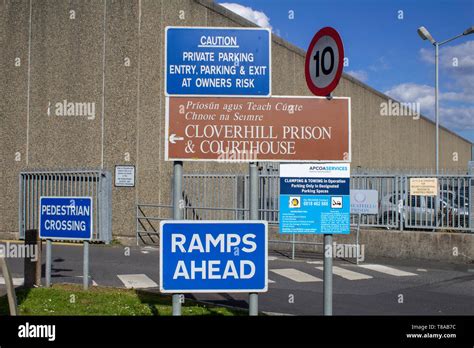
x: 253, y: 204
x: 48, y: 263
x: 177, y: 215
x: 357, y: 239
x: 85, y: 280
x: 293, y: 246
x: 327, y: 274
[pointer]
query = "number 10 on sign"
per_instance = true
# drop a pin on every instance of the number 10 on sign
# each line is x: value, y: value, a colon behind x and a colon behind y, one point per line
x: 324, y: 62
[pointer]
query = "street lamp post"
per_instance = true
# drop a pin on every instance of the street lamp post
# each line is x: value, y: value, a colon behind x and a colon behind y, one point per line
x: 425, y: 35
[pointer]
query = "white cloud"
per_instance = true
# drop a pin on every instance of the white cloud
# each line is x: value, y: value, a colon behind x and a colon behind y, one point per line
x: 456, y: 62
x: 257, y: 17
x: 380, y: 65
x: 453, y: 117
x: 464, y: 53
x: 359, y: 74
x: 458, y: 118
x: 413, y: 93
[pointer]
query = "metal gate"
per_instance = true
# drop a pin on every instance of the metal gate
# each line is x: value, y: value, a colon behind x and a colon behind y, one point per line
x: 452, y: 209
x: 75, y: 183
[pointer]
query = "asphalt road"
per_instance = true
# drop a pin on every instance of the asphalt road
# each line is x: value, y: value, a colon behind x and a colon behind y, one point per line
x: 375, y: 287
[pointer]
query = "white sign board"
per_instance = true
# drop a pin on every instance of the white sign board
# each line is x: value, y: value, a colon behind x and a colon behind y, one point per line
x: 124, y: 176
x: 364, y: 202
x: 423, y: 186
x: 314, y: 198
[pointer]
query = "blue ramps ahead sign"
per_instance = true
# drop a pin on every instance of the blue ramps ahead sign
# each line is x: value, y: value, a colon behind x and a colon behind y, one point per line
x: 315, y: 198
x: 65, y: 218
x: 213, y: 256
x: 217, y: 61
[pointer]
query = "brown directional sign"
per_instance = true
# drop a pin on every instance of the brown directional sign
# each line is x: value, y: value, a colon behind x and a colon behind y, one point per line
x: 285, y: 129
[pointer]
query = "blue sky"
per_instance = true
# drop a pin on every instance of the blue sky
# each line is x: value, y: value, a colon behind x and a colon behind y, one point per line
x: 384, y: 50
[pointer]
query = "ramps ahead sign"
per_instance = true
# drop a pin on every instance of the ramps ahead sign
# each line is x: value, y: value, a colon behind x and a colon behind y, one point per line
x: 218, y: 61
x: 213, y: 256
x: 67, y: 218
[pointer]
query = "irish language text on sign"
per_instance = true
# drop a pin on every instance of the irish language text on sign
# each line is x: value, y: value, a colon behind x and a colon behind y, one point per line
x: 251, y: 129
x: 213, y: 256
x: 315, y: 198
x: 68, y: 218
x: 218, y: 61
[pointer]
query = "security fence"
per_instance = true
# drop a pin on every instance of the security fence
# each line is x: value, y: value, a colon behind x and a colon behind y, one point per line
x: 225, y: 197
x: 451, y: 209
x: 68, y: 183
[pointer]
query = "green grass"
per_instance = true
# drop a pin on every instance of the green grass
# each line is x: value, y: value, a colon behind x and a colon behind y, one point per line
x: 73, y: 300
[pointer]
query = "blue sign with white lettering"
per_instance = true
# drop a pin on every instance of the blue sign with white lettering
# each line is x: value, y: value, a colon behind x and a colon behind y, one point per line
x: 213, y: 256
x: 315, y: 198
x: 218, y: 61
x: 65, y: 218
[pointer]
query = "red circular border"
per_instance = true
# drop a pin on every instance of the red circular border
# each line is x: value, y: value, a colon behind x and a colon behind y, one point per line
x: 326, y: 31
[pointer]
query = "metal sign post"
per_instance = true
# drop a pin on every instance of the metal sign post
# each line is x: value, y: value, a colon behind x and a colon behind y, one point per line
x: 327, y: 291
x: 86, y: 265
x: 357, y: 238
x: 48, y: 263
x: 253, y: 205
x: 177, y: 215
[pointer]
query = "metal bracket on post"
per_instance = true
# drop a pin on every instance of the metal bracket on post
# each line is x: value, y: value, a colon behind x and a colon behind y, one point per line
x: 327, y: 291
x: 253, y: 205
x: 177, y: 215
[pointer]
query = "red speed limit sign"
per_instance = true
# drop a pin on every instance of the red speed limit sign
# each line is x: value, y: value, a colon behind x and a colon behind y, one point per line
x: 324, y: 61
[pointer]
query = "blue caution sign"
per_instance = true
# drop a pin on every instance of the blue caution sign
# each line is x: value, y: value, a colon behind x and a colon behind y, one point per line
x: 65, y: 218
x: 315, y: 198
x: 213, y: 256
x: 218, y: 61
